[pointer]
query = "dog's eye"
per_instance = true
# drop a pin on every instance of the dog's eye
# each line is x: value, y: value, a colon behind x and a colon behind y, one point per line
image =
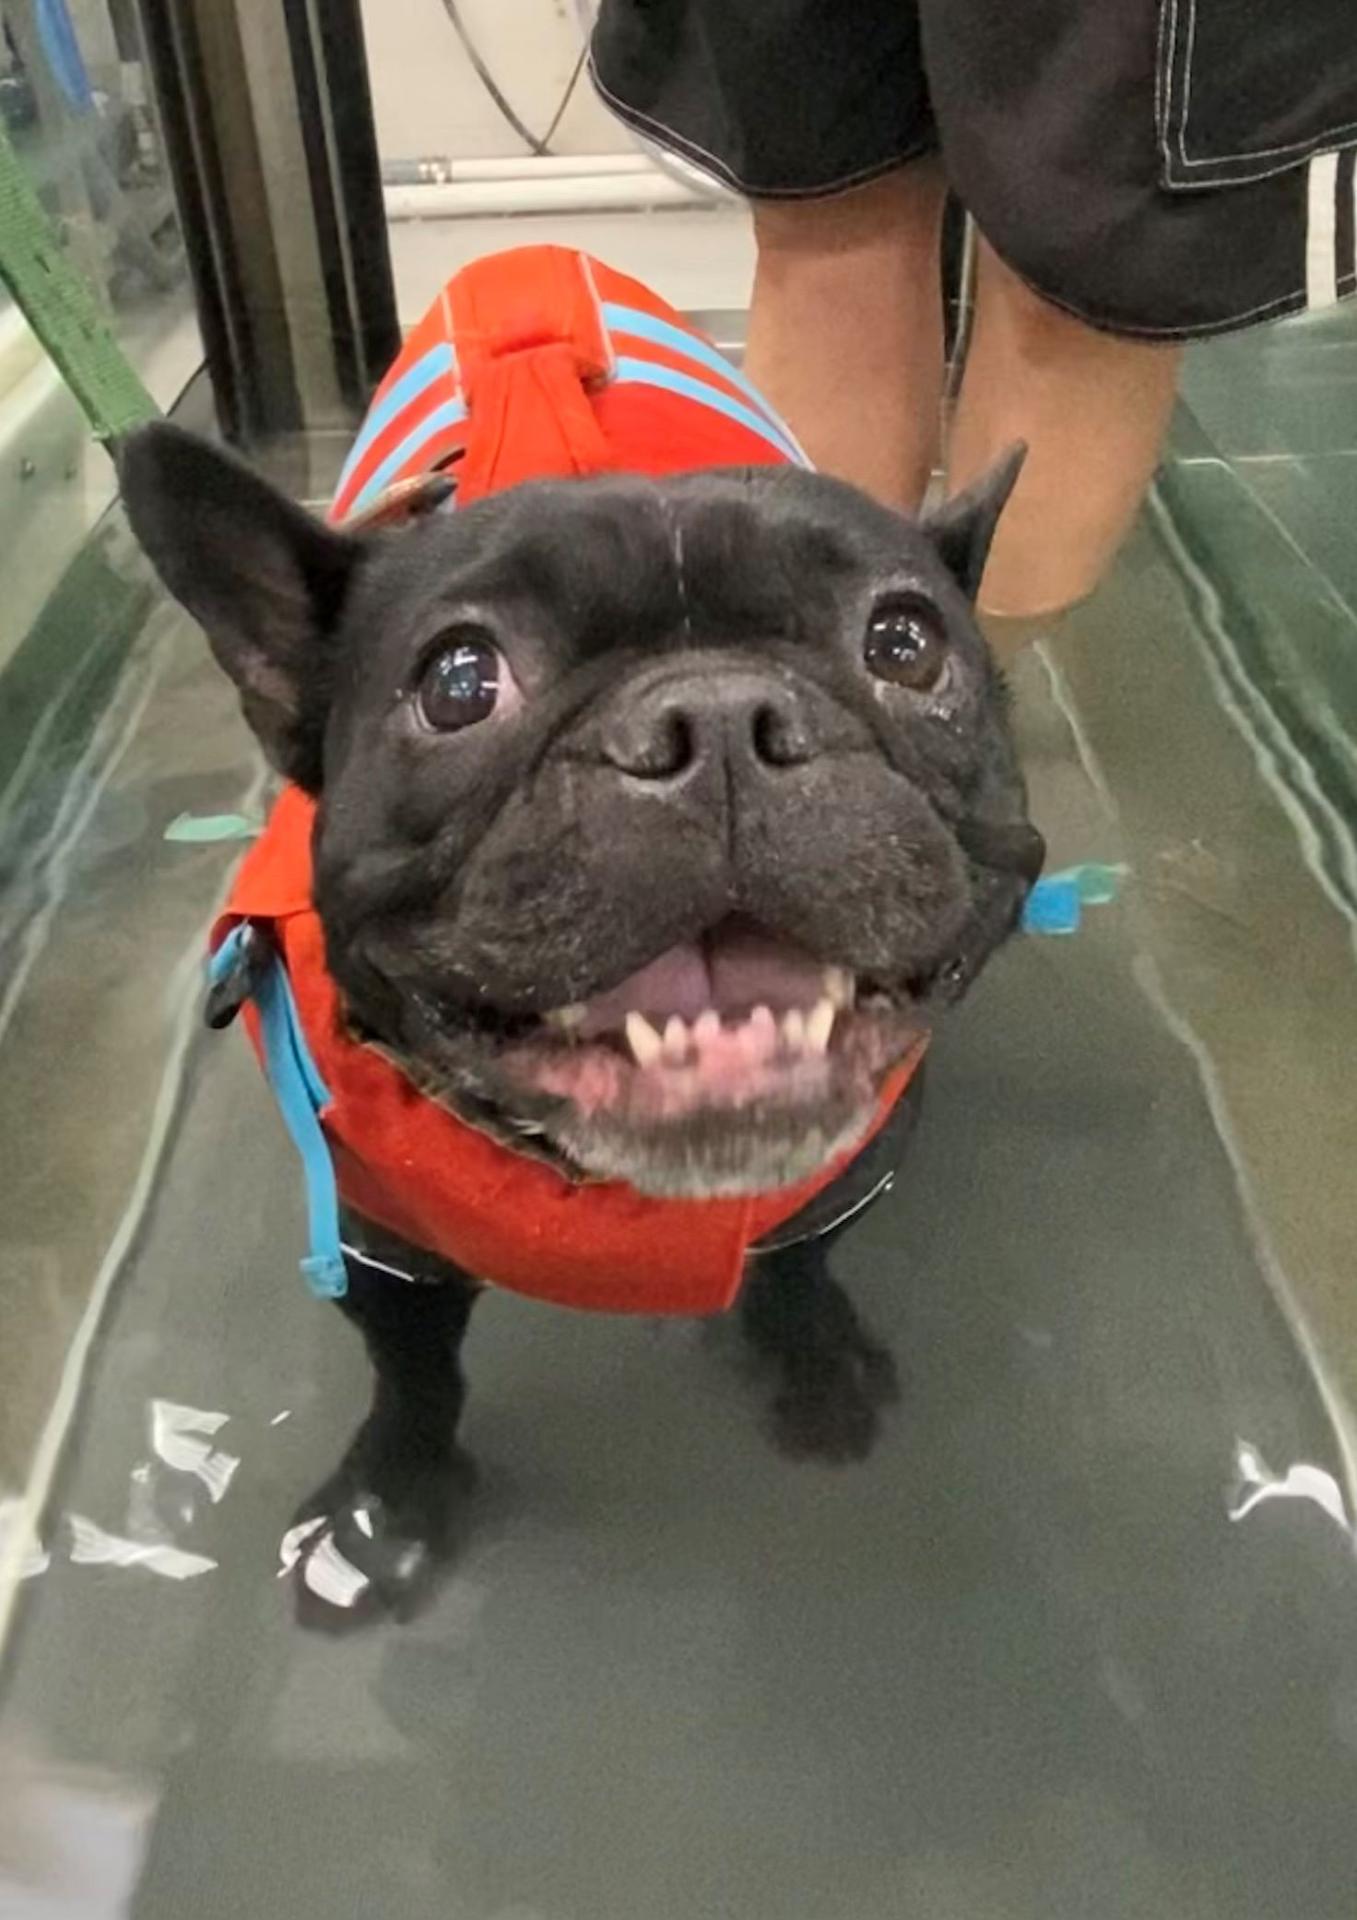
x: 906, y: 643
x: 462, y: 683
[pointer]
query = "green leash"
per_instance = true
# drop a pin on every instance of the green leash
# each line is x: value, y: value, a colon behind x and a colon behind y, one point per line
x: 62, y: 309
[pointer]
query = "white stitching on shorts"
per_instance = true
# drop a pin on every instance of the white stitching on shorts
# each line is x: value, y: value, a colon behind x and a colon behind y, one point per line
x: 1255, y: 179
x: 1188, y: 52
x: 1298, y: 149
x: 1171, y: 11
x: 1168, y: 10
x: 1201, y: 330
x: 690, y: 150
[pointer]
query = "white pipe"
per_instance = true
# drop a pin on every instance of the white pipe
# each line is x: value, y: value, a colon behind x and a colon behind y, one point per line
x: 439, y: 168
x: 580, y: 193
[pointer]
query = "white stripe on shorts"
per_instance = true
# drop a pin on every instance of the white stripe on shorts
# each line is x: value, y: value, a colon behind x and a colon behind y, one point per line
x: 1321, y: 237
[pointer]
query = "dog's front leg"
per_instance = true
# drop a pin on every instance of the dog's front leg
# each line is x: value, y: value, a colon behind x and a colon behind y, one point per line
x: 369, y: 1540
x: 831, y: 1377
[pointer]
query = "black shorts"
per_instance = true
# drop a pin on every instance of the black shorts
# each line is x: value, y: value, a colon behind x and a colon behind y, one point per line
x: 1165, y: 168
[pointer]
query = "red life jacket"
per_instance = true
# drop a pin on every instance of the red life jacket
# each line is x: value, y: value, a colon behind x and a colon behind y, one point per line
x: 535, y: 363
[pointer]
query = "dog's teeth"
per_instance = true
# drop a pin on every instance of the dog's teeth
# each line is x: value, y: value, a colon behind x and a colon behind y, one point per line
x: 706, y: 1027
x: 643, y: 1040
x: 794, y: 1029
x: 762, y: 1030
x: 819, y: 1026
x: 839, y: 986
x: 675, y: 1038
x: 566, y: 1018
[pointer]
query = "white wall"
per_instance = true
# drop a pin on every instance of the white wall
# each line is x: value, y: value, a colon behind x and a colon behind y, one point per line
x: 429, y: 100
x: 94, y: 31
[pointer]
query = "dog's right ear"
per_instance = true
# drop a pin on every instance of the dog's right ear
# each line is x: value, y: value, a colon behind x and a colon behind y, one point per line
x: 266, y: 581
x: 962, y: 528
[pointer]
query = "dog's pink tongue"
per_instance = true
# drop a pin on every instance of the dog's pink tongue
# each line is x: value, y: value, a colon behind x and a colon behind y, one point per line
x: 675, y: 981
x: 751, y: 969
x: 734, y: 971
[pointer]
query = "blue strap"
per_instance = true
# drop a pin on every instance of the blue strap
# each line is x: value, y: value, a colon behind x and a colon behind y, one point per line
x: 629, y: 371
x: 228, y: 954
x: 439, y: 363
x: 301, y: 1094
x: 449, y: 414
x: 648, y: 326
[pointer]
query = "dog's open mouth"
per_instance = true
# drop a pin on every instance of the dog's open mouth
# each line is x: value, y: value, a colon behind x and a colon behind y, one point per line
x: 737, y: 1021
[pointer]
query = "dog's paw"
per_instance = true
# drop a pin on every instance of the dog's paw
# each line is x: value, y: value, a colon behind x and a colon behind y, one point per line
x: 355, y: 1555
x: 831, y: 1408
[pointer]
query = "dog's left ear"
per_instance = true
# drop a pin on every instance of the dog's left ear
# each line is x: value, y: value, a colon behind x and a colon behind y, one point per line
x: 264, y: 578
x: 962, y: 528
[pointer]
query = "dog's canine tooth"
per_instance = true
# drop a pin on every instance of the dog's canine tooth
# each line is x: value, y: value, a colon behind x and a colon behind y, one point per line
x: 676, y: 1038
x: 819, y: 1026
x: 567, y: 1019
x: 643, y: 1040
x: 839, y: 986
x: 706, y: 1026
x: 794, y: 1029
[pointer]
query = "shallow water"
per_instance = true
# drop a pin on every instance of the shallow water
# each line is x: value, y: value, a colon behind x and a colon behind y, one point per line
x: 1081, y: 1638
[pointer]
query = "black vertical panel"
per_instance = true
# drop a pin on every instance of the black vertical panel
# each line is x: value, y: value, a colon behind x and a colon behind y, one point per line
x: 360, y: 184
x: 174, y: 56
x: 334, y: 99
x: 1344, y: 240
x: 258, y: 330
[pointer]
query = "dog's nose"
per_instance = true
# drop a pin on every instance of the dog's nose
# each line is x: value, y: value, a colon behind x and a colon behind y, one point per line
x: 748, y: 721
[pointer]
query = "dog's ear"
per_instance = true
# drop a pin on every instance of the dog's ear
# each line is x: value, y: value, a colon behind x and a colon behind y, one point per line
x: 266, y: 581
x: 962, y: 528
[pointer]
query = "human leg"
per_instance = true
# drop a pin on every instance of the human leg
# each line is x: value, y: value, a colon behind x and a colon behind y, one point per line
x: 845, y: 328
x: 1093, y: 408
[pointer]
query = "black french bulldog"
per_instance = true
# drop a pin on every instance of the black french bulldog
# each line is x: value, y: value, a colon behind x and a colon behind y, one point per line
x: 609, y: 768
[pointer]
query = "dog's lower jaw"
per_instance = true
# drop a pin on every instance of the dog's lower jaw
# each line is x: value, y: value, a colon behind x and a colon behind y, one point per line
x: 722, y: 1157
x: 735, y: 1150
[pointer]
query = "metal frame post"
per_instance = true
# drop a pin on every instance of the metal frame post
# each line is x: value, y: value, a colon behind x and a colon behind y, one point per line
x: 268, y: 128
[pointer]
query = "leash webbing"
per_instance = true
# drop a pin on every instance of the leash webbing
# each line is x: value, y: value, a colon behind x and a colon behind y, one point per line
x: 62, y: 309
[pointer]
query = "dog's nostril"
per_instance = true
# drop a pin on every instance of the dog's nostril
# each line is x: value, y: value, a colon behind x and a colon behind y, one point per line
x: 672, y: 747
x: 660, y: 748
x: 780, y: 735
